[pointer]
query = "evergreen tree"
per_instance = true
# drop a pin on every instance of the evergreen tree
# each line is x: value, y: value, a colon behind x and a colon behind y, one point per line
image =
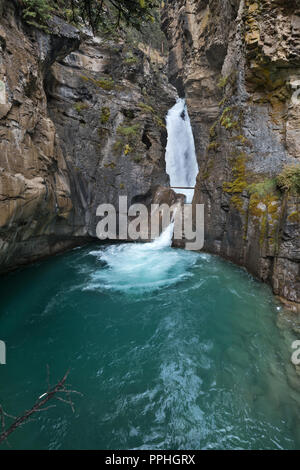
x: 92, y: 13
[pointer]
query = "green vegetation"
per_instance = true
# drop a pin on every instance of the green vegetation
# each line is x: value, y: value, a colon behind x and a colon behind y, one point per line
x: 223, y: 82
x: 130, y: 60
x: 104, y: 83
x: 264, y: 206
x: 150, y: 34
x: 105, y: 115
x: 208, y: 169
x: 212, y: 131
x: 37, y: 13
x: 213, y: 146
x: 126, y: 144
x: 111, y: 165
x: 263, y: 188
x: 239, y: 171
x: 127, y: 149
x: 146, y: 107
x: 222, y: 102
x: 294, y: 217
x: 80, y: 106
x: 96, y: 14
x: 289, y: 179
x: 129, y: 131
x: 159, y: 122
x: 240, y: 138
x: 226, y: 120
x: 239, y: 184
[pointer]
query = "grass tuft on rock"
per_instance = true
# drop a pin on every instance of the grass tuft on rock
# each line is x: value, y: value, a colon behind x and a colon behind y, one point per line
x: 105, y: 115
x: 263, y: 188
x: 128, y: 131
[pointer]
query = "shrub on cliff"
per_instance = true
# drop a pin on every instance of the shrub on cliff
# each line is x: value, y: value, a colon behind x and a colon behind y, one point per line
x: 289, y: 179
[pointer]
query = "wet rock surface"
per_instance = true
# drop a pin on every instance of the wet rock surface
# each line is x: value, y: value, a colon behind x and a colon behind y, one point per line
x: 238, y: 64
x: 35, y: 197
x: 108, y: 102
x: 72, y: 137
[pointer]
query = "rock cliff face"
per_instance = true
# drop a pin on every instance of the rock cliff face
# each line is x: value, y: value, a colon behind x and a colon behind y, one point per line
x: 108, y: 102
x: 35, y: 197
x: 238, y: 64
x: 71, y: 136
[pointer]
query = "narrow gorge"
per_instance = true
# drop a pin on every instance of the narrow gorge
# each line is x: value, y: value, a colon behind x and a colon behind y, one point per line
x: 237, y: 64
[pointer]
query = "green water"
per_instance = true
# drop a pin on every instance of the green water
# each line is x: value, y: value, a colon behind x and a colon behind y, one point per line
x: 170, y: 349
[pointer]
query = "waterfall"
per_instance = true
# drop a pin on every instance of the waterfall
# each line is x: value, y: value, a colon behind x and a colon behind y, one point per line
x: 164, y: 240
x: 181, y: 160
x: 138, y: 267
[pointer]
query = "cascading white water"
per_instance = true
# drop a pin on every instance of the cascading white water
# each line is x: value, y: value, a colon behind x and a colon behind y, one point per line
x: 164, y: 240
x: 181, y: 160
x: 132, y: 267
x: 135, y: 267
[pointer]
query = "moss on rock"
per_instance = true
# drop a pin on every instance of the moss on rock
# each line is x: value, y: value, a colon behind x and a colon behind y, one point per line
x: 105, y: 115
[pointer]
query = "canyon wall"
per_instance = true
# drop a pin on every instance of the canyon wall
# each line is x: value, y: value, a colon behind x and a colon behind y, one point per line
x: 238, y: 65
x: 81, y: 122
x: 35, y: 197
x: 108, y: 101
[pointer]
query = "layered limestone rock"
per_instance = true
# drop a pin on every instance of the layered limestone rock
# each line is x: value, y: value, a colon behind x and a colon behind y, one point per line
x: 238, y: 64
x: 73, y: 137
x: 108, y: 101
x: 35, y: 202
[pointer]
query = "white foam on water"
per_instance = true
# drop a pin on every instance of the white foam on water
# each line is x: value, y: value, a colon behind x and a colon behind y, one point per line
x: 149, y: 266
x: 141, y: 266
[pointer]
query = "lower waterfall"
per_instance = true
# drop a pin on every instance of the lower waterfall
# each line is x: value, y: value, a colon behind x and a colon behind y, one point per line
x: 136, y: 267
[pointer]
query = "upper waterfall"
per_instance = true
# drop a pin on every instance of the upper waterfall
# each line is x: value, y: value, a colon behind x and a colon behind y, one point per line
x: 181, y: 160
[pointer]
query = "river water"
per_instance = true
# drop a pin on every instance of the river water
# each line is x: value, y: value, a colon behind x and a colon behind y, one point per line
x: 170, y: 349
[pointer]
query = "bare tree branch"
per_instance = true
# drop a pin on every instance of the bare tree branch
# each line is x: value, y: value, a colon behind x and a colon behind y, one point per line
x: 38, y: 406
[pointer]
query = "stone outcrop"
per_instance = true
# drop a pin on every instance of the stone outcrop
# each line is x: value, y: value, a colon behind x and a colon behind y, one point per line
x: 238, y: 64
